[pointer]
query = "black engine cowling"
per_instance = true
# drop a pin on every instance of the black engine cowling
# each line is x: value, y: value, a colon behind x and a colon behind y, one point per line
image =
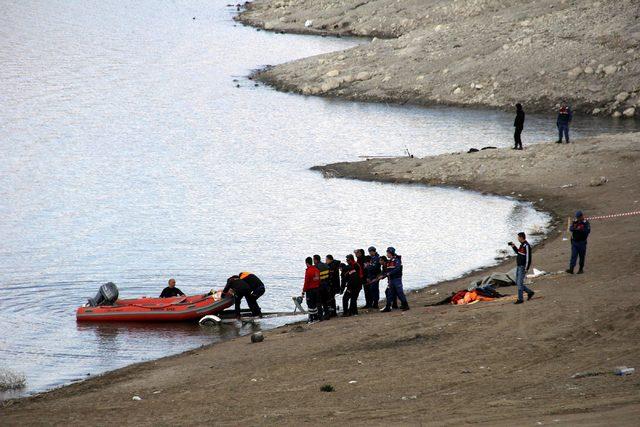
x: 107, y: 295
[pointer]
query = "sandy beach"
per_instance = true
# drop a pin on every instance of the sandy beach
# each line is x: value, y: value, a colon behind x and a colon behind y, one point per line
x: 490, y: 363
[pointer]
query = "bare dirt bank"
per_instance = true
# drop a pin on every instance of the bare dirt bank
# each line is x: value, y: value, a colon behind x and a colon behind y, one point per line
x: 469, y: 52
x: 493, y: 363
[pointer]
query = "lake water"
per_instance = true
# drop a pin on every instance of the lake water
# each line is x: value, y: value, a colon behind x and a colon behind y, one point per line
x: 129, y: 155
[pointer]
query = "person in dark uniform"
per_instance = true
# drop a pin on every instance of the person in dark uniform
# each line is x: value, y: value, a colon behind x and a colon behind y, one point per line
x: 395, y: 288
x: 383, y: 267
x: 334, y: 283
x: 311, y: 290
x: 523, y: 263
x: 519, y: 125
x: 323, y: 309
x: 565, y: 115
x: 257, y: 287
x: 372, y: 271
x: 171, y: 290
x: 580, y: 229
x: 351, y: 286
x: 238, y: 289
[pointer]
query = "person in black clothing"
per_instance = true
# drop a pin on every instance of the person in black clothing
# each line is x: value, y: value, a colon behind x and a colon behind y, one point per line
x: 171, y: 290
x: 351, y: 286
x: 324, y: 309
x: 238, y: 289
x: 257, y: 288
x: 519, y: 125
x: 334, y: 283
x: 383, y: 268
x: 359, y: 254
x: 580, y: 229
x: 372, y: 271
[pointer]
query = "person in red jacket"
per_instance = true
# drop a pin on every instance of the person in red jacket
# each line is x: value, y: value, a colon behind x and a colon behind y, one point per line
x: 312, y: 290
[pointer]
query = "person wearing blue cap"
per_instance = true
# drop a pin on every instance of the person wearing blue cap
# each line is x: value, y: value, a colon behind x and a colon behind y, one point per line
x: 394, y: 273
x: 580, y: 229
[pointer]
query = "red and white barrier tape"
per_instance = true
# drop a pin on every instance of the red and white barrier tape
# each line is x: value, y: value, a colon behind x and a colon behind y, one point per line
x: 614, y: 215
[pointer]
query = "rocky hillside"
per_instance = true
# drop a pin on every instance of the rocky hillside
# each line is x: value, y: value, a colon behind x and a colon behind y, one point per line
x: 466, y: 52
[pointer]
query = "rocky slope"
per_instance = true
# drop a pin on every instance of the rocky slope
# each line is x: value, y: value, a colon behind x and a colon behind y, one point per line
x: 466, y: 52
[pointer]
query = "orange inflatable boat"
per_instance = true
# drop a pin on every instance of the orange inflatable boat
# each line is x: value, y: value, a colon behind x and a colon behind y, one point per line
x: 175, y: 309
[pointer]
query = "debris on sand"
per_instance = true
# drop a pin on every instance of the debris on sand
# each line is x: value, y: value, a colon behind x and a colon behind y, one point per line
x: 327, y: 388
x: 257, y: 337
x: 586, y: 374
x: 623, y: 370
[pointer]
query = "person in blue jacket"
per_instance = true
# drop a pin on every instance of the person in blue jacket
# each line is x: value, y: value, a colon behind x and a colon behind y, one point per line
x: 394, y: 273
x: 565, y: 115
x: 580, y: 229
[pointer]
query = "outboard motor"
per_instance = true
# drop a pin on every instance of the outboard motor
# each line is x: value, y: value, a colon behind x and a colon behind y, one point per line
x: 107, y: 295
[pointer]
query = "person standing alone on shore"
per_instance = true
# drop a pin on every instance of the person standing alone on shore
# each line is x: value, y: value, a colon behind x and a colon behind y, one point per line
x: 565, y: 115
x: 519, y: 125
x: 580, y: 229
x: 523, y: 262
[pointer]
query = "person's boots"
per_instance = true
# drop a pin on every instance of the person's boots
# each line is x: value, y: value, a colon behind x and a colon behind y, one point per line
x: 386, y: 309
x: 405, y: 307
x: 559, y: 141
x: 581, y: 271
x: 570, y: 271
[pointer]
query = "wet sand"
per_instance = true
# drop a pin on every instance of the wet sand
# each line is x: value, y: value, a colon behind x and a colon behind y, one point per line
x: 490, y: 363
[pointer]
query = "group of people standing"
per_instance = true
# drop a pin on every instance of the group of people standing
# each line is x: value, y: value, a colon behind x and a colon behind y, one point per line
x: 565, y: 115
x: 323, y: 281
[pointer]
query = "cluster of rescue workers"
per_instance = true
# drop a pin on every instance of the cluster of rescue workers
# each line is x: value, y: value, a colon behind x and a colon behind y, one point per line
x: 323, y: 281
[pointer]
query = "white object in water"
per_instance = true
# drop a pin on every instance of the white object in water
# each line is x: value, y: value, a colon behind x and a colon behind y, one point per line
x: 308, y: 23
x: 210, y: 319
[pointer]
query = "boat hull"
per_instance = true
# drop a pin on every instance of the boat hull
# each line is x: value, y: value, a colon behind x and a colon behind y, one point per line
x: 176, y: 309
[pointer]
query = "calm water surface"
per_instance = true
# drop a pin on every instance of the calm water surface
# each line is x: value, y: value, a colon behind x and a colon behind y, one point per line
x: 129, y: 155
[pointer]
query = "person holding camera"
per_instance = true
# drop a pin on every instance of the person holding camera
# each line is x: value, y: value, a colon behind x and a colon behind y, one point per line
x: 523, y: 262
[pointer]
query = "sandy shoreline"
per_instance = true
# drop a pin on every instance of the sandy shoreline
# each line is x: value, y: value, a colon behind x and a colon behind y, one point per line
x: 491, y: 363
x: 428, y: 365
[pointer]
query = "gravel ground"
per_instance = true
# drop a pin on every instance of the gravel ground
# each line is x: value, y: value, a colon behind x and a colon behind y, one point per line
x: 467, y: 52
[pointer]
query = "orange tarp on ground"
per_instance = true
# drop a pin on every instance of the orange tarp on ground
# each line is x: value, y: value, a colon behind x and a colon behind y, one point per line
x: 470, y: 297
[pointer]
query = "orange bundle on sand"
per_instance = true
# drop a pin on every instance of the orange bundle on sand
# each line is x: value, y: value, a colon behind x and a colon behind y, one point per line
x: 469, y: 297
